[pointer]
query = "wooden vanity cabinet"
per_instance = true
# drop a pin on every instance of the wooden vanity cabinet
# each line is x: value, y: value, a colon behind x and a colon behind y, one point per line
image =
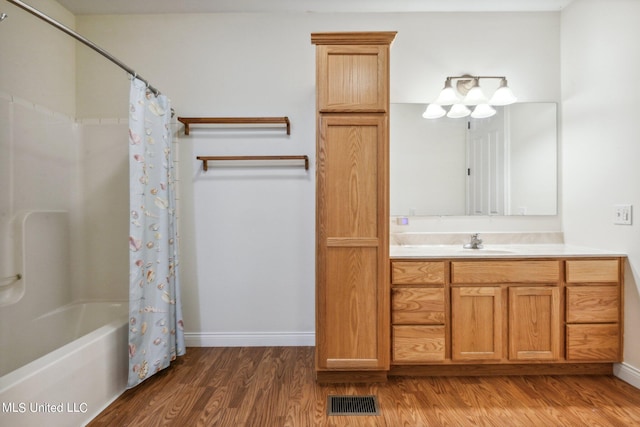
x: 352, y: 206
x: 483, y: 315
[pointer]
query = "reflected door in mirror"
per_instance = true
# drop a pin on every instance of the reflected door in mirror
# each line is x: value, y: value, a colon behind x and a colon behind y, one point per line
x: 515, y: 164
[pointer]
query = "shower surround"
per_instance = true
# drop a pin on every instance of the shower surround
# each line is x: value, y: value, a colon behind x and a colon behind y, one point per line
x: 63, y: 252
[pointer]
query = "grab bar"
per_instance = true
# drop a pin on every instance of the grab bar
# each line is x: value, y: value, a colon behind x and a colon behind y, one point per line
x: 12, y: 278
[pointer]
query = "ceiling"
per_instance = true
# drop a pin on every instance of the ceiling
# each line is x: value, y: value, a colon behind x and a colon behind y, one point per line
x: 99, y: 7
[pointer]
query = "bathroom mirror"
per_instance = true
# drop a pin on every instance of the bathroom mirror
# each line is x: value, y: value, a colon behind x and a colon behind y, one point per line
x: 502, y: 165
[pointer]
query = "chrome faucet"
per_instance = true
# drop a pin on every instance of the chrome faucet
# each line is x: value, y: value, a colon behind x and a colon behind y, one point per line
x: 474, y: 243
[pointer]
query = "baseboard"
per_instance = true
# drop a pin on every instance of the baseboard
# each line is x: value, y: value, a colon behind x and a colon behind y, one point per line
x: 627, y: 373
x: 249, y: 339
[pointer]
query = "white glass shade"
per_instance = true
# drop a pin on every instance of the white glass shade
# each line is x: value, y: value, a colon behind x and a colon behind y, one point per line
x: 457, y: 111
x: 448, y: 95
x: 503, y: 95
x: 434, y: 111
x: 482, y: 111
x: 475, y: 95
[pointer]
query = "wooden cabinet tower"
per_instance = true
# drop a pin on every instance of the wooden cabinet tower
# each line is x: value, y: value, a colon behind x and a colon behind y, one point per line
x: 352, y: 206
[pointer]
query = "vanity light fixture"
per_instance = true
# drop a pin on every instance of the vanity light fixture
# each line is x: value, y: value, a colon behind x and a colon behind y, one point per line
x: 472, y: 95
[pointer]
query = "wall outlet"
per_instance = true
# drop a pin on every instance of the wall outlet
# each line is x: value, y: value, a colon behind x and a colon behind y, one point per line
x: 622, y: 214
x: 402, y: 220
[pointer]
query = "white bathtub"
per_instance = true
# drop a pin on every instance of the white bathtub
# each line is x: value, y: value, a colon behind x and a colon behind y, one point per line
x: 77, y: 367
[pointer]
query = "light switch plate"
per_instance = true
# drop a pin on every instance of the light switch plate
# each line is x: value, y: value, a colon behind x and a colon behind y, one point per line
x: 622, y: 214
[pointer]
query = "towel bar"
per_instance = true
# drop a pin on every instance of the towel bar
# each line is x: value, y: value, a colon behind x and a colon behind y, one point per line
x: 206, y: 159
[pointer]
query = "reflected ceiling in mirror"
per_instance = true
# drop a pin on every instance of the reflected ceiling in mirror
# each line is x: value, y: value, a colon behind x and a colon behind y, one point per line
x: 502, y: 165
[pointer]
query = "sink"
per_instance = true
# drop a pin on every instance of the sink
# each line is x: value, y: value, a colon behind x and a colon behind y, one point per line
x: 455, y: 250
x: 486, y: 251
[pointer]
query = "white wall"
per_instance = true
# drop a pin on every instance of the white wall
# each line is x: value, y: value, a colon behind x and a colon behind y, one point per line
x: 38, y: 61
x: 600, y: 87
x: 248, y: 232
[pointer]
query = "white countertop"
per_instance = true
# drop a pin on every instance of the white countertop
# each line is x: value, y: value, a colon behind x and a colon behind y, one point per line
x: 498, y: 251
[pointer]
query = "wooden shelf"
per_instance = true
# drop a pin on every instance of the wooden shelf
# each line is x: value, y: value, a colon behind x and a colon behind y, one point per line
x: 188, y: 121
x: 206, y: 159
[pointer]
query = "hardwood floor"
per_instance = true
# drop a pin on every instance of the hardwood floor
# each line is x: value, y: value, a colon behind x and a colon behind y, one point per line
x: 274, y: 386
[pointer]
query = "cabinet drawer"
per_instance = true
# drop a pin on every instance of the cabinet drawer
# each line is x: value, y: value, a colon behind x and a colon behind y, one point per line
x: 593, y: 304
x: 424, y: 306
x: 417, y: 273
x: 593, y: 342
x: 418, y: 343
x: 582, y: 271
x: 530, y: 271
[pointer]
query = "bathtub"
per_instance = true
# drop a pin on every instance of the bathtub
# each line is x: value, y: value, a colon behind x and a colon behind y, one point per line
x: 77, y: 367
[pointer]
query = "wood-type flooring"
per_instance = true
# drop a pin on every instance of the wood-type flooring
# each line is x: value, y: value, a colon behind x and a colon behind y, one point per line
x: 275, y: 386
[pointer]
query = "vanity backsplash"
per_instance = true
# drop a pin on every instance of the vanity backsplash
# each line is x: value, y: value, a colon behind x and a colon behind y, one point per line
x: 492, y: 238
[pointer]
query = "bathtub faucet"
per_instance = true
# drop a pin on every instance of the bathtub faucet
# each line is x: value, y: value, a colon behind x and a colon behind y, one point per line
x: 474, y: 243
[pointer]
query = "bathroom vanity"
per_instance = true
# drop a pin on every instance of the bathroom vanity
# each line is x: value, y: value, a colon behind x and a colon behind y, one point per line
x: 526, y: 309
x: 396, y: 309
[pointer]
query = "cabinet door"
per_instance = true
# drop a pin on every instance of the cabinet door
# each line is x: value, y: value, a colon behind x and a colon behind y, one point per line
x: 349, y: 333
x: 534, y: 323
x: 352, y: 78
x: 476, y: 323
x: 353, y: 308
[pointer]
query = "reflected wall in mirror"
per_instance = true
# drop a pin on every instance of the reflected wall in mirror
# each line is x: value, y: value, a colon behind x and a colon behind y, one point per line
x: 502, y: 165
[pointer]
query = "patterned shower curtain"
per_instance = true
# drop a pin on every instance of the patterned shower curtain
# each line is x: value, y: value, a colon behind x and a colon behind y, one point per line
x: 156, y: 335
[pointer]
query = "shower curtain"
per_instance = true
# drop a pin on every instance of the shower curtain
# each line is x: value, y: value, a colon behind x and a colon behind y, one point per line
x: 156, y: 335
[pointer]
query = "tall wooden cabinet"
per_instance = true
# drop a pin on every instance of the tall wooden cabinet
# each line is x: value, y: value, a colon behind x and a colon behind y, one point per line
x: 352, y: 199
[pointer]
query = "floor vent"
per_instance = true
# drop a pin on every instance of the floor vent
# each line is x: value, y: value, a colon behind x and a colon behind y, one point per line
x: 352, y: 405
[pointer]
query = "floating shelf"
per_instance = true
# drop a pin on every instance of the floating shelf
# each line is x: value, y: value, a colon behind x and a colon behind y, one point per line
x: 206, y: 159
x: 187, y: 121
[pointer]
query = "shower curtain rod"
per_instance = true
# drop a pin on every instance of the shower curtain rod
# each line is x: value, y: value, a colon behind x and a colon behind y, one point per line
x: 83, y: 40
